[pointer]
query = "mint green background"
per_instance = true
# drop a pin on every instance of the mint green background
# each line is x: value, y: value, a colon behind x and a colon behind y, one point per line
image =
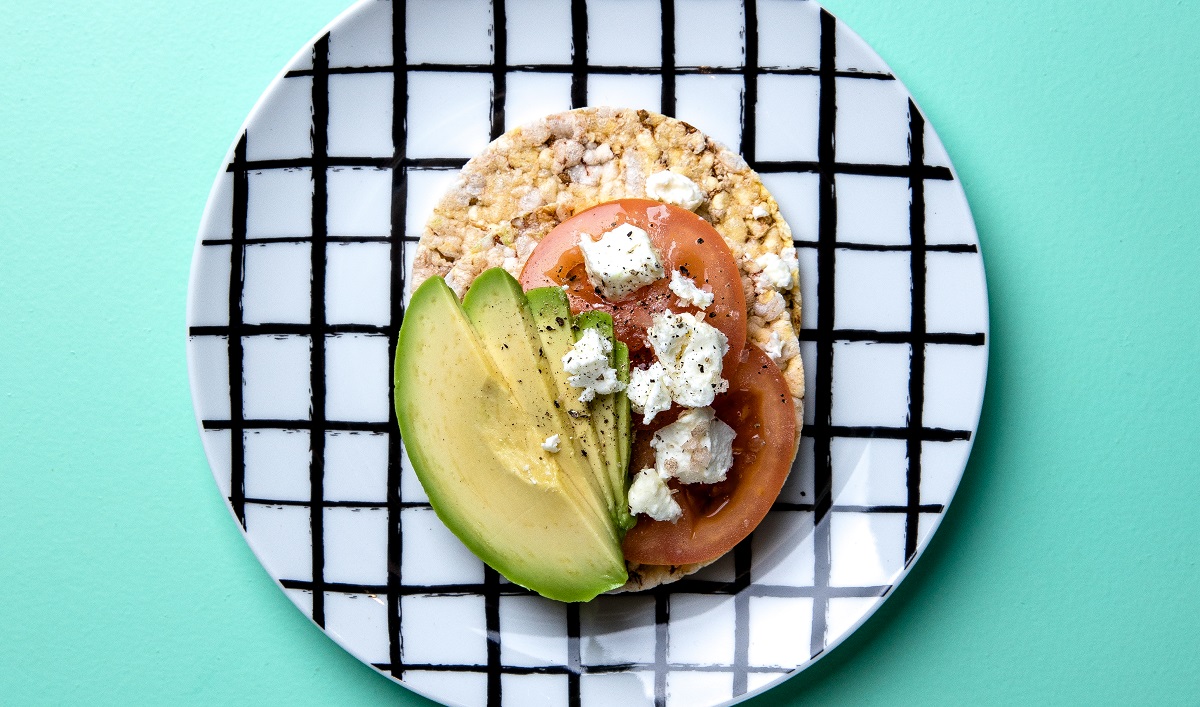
x: 1065, y: 570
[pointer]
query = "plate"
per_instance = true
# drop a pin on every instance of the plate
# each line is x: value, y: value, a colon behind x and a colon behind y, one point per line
x: 297, y: 292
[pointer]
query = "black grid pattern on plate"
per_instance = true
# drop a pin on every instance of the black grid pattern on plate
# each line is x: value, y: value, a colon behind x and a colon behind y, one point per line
x: 399, y: 211
x: 825, y: 336
x: 320, y: 231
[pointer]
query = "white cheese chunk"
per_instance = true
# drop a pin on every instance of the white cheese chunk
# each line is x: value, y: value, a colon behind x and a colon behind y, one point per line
x: 691, y: 352
x: 777, y: 272
x: 685, y: 288
x: 587, y: 366
x: 649, y: 495
x: 621, y: 262
x: 648, y: 391
x: 696, y: 449
x: 551, y: 444
x: 674, y: 188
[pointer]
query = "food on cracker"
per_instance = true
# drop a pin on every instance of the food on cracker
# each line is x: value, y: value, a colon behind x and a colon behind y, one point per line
x: 631, y: 292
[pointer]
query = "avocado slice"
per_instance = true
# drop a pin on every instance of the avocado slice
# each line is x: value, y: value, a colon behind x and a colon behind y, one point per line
x: 478, y: 455
x: 552, y: 317
x: 624, y: 414
x: 500, y: 314
x: 604, y: 415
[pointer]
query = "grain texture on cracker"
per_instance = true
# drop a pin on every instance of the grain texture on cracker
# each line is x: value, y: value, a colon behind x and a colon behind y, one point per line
x: 538, y: 175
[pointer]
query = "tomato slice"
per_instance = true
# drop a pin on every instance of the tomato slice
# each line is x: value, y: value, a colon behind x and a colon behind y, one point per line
x: 716, y: 517
x: 683, y: 241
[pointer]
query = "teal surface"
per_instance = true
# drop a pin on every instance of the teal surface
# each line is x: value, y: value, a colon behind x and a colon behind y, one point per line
x: 1066, y: 569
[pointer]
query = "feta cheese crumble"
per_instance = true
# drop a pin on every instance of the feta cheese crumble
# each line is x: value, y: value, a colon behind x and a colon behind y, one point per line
x: 551, y: 444
x: 688, y: 370
x: 685, y: 288
x: 648, y: 391
x: 691, y: 352
x: 622, y: 261
x: 649, y: 495
x: 674, y: 188
x: 778, y: 272
x: 696, y: 449
x: 587, y: 364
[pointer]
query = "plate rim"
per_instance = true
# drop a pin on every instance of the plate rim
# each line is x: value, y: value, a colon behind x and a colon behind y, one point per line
x: 258, y: 111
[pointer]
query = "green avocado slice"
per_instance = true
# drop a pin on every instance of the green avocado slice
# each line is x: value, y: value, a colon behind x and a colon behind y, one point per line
x: 500, y: 314
x: 478, y: 455
x: 604, y: 415
x: 624, y: 414
x: 552, y: 316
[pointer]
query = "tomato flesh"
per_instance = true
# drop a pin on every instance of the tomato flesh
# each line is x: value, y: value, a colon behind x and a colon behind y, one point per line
x: 718, y: 516
x: 682, y: 240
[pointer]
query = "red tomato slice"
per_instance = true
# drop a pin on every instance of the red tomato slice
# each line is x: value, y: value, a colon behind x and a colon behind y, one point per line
x: 683, y: 241
x: 716, y: 517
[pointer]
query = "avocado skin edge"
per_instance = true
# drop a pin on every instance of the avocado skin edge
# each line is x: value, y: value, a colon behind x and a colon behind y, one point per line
x: 624, y: 414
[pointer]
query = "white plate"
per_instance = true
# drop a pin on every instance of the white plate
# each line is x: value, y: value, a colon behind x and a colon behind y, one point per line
x: 312, y: 227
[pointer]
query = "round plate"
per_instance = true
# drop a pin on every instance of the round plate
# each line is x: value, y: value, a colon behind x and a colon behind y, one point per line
x: 297, y: 293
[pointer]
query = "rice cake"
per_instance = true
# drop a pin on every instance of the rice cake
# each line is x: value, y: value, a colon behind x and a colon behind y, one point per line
x: 540, y: 174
